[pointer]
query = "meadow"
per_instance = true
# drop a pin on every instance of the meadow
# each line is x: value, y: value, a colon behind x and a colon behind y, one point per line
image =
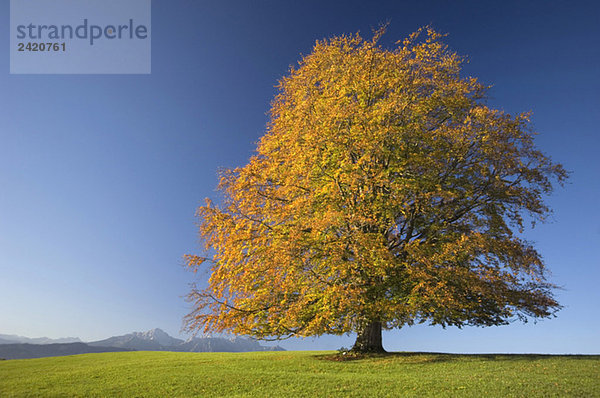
x: 300, y: 374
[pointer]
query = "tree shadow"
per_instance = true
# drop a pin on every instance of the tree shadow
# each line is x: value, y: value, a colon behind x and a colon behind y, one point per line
x: 432, y: 357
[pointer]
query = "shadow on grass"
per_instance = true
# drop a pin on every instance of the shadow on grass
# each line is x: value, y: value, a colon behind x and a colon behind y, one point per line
x: 431, y: 357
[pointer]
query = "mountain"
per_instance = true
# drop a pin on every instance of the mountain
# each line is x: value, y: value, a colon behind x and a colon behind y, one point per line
x: 219, y: 344
x: 13, y: 339
x: 152, y: 340
x: 158, y: 340
x: 22, y: 351
x: 158, y: 336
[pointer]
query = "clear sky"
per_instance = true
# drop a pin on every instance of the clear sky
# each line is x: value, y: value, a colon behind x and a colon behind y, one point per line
x: 100, y: 175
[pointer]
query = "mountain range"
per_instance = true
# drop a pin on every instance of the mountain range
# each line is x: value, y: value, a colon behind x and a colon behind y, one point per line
x: 17, y: 347
x: 13, y: 339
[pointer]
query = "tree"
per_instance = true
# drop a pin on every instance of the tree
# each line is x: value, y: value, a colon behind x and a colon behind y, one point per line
x: 383, y: 193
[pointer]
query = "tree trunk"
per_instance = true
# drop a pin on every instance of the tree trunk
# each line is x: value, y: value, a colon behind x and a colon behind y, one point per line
x: 369, y: 339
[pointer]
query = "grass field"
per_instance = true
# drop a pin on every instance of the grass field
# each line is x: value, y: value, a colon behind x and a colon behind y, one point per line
x: 300, y: 374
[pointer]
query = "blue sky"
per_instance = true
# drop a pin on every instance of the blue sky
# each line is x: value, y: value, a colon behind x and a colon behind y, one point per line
x: 100, y: 175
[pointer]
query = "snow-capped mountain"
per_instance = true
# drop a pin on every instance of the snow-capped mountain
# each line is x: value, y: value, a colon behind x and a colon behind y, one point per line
x: 152, y: 340
x: 158, y: 340
x: 159, y: 336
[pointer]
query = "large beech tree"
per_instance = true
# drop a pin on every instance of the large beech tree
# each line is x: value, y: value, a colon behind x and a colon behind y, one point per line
x: 384, y: 192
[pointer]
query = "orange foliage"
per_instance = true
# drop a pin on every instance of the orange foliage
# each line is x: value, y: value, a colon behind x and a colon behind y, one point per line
x: 384, y: 190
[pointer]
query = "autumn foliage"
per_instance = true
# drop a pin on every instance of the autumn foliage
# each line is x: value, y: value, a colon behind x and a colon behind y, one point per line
x: 383, y: 193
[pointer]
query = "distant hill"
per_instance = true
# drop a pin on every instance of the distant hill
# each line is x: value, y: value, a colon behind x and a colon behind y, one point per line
x: 152, y: 340
x: 158, y: 340
x: 23, y: 351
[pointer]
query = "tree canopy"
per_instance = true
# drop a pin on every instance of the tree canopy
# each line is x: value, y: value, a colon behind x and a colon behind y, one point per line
x: 384, y: 192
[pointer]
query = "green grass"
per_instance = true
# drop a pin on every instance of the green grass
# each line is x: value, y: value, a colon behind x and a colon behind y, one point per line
x: 300, y: 374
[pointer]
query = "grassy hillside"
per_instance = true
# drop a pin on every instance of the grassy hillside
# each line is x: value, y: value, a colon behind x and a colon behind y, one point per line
x: 298, y: 374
